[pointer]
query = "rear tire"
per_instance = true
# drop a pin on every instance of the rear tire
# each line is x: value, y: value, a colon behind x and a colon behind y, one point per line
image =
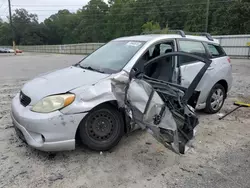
x: 102, y: 128
x: 215, y: 99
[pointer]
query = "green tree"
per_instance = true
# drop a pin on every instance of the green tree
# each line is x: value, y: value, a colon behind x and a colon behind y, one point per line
x: 99, y: 21
x: 5, y: 33
x: 60, y: 27
x: 150, y: 26
x: 93, y: 22
x: 27, y: 29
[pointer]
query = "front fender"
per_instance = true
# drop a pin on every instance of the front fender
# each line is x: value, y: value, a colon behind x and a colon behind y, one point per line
x: 88, y: 97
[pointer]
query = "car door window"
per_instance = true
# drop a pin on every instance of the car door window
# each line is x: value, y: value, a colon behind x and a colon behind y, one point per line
x: 193, y: 47
x: 215, y: 50
x: 163, y: 48
x: 189, y: 67
x: 164, y: 69
x: 160, y: 49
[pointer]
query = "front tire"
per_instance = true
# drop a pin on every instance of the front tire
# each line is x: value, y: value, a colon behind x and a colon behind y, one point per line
x: 102, y: 128
x: 215, y: 99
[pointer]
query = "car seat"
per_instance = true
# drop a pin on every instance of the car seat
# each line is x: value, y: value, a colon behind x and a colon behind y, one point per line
x: 156, y: 52
x: 164, y: 69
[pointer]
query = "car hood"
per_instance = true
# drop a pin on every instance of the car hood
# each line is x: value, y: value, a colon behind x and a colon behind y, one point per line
x: 60, y: 81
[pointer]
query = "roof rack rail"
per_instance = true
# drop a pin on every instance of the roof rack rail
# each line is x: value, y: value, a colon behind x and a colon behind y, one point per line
x: 180, y: 32
x: 207, y: 35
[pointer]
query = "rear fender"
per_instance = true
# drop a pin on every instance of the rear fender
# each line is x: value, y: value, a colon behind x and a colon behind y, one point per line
x: 223, y: 72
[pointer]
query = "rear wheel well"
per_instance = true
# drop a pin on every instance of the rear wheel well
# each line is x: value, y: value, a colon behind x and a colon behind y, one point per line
x: 114, y: 104
x: 224, y: 84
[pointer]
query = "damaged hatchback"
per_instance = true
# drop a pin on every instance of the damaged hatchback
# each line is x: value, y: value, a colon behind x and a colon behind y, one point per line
x: 148, y: 81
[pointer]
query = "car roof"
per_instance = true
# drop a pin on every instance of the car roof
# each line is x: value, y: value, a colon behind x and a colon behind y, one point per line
x: 147, y: 38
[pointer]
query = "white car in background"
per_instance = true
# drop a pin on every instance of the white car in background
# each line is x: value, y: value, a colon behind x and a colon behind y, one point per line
x: 9, y: 50
x: 6, y: 50
x: 53, y: 109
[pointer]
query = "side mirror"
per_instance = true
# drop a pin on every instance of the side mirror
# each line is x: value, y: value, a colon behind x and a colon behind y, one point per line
x: 133, y: 73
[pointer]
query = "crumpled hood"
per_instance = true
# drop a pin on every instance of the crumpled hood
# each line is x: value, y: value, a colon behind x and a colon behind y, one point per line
x: 60, y: 81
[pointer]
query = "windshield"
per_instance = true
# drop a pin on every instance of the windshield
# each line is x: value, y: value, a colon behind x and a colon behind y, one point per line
x: 112, y: 57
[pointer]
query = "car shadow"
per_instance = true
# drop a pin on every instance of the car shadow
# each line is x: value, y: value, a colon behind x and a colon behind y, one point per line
x: 127, y: 140
x: 80, y: 150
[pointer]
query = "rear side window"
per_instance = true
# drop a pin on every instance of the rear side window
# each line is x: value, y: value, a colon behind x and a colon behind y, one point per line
x: 215, y: 50
x: 193, y: 47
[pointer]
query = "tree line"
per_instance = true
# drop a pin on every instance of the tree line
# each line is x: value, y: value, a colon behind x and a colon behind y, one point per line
x: 100, y: 22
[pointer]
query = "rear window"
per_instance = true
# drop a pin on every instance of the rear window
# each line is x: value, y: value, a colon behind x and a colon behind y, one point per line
x: 215, y: 50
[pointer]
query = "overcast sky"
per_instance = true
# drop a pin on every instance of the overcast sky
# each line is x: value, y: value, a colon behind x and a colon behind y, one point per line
x: 43, y: 8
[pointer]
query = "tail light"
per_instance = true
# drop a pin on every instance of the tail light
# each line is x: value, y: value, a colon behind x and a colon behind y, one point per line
x: 229, y: 60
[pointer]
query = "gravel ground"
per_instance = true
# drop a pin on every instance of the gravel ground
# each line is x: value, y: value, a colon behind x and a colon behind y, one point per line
x: 220, y: 157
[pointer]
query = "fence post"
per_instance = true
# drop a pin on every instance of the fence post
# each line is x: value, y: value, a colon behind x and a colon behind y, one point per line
x: 249, y: 52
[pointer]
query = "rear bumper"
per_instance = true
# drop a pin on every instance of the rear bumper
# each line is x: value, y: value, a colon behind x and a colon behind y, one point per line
x: 47, y: 132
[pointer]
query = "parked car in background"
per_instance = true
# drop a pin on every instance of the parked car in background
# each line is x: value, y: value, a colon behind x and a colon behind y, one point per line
x: 6, y: 50
x: 19, y: 51
x: 3, y: 50
x: 52, y: 109
x: 11, y: 50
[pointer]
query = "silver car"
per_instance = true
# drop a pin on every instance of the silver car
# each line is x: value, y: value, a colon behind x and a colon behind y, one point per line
x: 53, y: 110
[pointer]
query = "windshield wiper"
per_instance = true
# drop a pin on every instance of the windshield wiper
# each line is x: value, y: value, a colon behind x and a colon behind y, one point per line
x: 91, y: 68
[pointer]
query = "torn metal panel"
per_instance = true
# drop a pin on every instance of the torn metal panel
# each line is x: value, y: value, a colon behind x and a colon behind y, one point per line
x: 151, y: 112
x: 166, y: 109
x: 118, y: 86
x: 146, y: 107
x: 87, y: 97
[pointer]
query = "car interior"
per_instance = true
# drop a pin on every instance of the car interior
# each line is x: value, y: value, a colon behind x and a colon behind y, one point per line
x: 163, y: 70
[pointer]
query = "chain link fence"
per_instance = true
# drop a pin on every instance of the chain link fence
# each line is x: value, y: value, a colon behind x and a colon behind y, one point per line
x: 84, y: 48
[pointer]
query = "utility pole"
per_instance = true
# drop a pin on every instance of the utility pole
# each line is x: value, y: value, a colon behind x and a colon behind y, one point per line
x: 207, y: 15
x: 13, y: 32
